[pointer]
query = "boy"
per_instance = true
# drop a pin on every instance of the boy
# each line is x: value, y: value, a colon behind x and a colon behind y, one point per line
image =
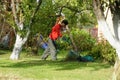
x: 54, y: 35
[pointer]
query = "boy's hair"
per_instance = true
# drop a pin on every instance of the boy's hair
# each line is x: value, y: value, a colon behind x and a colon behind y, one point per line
x: 65, y: 22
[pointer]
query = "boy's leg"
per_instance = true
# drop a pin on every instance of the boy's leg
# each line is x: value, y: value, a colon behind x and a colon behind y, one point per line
x: 46, y: 53
x: 52, y: 50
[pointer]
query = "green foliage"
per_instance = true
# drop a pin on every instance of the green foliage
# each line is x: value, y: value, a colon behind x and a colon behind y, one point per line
x: 83, y: 39
x: 77, y: 11
x: 87, y: 18
x: 104, y: 51
x: 46, y: 16
x: 27, y: 7
x: 62, y: 44
x: 45, y: 19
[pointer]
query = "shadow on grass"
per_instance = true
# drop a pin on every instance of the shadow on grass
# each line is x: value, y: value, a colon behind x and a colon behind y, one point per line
x: 4, y: 51
x: 58, y: 65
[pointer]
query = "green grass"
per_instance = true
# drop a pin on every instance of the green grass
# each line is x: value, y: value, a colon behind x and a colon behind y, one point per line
x: 32, y: 68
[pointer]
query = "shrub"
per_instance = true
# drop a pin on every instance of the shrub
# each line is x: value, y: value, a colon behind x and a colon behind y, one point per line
x: 61, y: 44
x: 83, y: 39
x: 104, y: 52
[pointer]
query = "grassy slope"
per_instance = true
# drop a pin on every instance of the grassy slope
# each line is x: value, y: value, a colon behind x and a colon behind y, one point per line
x: 32, y: 68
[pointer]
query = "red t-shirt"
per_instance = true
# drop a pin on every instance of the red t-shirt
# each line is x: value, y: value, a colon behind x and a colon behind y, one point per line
x: 56, y: 32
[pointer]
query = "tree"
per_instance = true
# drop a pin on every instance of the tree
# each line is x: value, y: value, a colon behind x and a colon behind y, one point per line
x: 23, y: 12
x: 45, y: 18
x: 75, y: 11
x: 108, y: 16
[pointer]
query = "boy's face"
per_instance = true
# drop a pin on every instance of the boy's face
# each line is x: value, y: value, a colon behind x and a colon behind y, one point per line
x: 63, y: 25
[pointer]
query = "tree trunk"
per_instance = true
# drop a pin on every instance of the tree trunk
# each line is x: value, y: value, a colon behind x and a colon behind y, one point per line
x: 113, y: 37
x: 2, y: 28
x: 116, y: 72
x: 106, y: 28
x: 116, y: 23
x: 18, y: 47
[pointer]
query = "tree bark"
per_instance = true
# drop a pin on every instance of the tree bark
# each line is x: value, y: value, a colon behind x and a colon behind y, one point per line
x: 113, y: 38
x: 17, y: 48
x: 20, y: 41
x: 2, y: 28
x: 116, y: 23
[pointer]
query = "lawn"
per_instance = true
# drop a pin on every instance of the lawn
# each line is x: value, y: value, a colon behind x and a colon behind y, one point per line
x: 32, y: 68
